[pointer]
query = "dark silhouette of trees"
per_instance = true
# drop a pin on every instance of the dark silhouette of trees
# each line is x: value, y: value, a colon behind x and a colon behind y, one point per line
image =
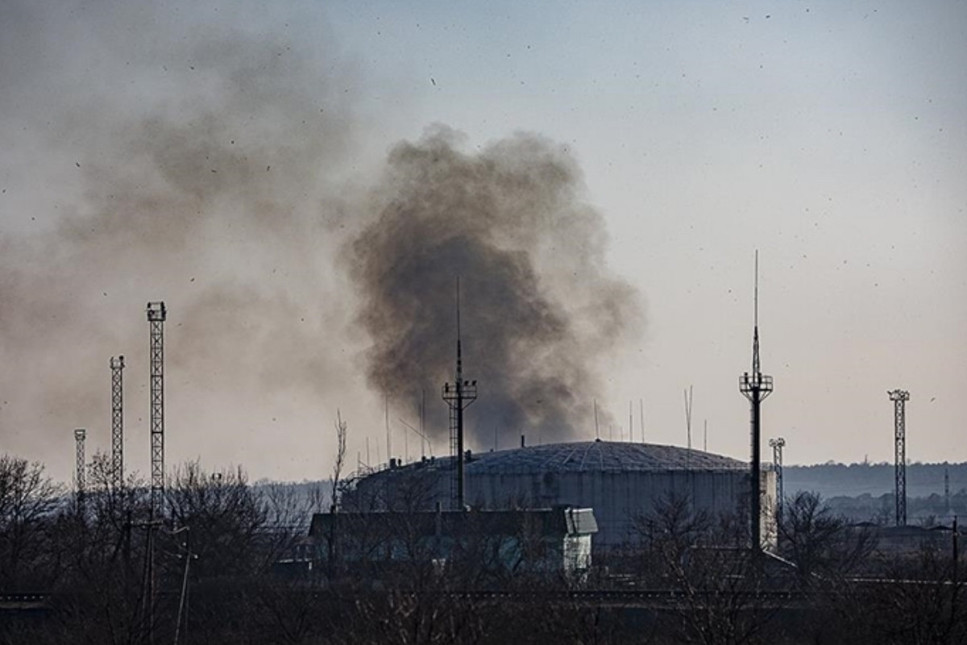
x: 221, y: 543
x: 820, y: 544
x: 28, y: 499
x: 720, y: 584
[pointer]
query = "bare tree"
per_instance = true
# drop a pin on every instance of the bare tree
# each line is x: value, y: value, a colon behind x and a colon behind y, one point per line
x: 28, y: 498
x: 227, y: 520
x: 820, y: 543
x: 705, y: 562
x: 340, y: 461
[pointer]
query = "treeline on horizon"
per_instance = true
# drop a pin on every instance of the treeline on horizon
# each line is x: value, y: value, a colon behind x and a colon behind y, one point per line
x: 852, y: 480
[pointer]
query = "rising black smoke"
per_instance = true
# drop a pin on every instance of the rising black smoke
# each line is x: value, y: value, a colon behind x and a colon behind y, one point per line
x: 540, y: 308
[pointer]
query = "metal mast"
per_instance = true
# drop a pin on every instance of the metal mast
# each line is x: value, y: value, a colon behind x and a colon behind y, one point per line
x: 459, y: 395
x: 756, y: 387
x: 946, y: 489
x: 80, y: 481
x: 777, y: 445
x: 117, y: 423
x: 156, y: 319
x: 899, y: 398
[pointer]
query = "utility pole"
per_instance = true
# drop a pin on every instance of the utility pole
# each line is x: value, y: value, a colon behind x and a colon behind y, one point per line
x: 756, y: 387
x: 117, y: 424
x: 459, y: 395
x: 899, y: 398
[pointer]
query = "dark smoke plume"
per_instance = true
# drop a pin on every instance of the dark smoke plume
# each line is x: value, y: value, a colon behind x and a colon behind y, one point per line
x: 539, y: 307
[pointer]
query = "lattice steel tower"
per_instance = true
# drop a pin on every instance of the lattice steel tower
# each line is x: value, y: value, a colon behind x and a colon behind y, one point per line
x: 899, y: 398
x: 777, y: 446
x: 80, y: 468
x: 756, y: 387
x: 458, y: 395
x: 117, y: 423
x: 156, y: 320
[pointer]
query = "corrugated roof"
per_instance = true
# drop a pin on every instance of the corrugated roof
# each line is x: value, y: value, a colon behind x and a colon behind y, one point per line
x: 597, y: 456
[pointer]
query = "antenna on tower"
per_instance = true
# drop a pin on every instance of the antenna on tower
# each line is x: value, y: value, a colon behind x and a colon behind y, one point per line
x: 117, y: 423
x: 755, y: 318
x: 899, y: 398
x: 459, y: 395
x: 756, y: 387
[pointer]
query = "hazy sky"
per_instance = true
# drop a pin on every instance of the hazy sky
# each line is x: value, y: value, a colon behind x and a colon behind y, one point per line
x: 218, y: 156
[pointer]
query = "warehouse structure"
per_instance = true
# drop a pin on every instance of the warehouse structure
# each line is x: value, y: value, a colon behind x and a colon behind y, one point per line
x: 620, y: 481
x: 538, y: 541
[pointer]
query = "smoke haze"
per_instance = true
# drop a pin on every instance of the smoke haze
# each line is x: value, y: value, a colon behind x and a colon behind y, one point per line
x: 194, y: 160
x: 181, y: 154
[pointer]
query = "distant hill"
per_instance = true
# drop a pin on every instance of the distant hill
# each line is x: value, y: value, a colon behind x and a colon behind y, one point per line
x: 852, y: 480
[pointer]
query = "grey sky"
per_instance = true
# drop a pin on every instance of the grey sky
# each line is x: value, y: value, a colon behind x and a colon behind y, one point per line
x: 830, y: 136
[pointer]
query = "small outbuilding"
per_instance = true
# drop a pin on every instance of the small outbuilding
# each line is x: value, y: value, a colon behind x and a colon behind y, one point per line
x: 505, y: 542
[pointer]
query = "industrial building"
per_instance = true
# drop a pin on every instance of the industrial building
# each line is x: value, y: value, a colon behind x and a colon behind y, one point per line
x: 502, y: 542
x: 620, y: 481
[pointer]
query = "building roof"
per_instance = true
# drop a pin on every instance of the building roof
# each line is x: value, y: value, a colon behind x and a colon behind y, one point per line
x: 596, y: 456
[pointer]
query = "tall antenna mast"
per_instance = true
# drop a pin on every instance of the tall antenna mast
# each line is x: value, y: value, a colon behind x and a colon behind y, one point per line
x: 777, y: 446
x: 117, y: 423
x: 756, y: 387
x: 899, y: 398
x: 80, y: 480
x: 597, y: 433
x: 458, y: 396
x: 389, y: 453
x: 631, y: 424
x: 641, y: 418
x: 156, y: 320
x: 688, y: 417
x: 946, y: 488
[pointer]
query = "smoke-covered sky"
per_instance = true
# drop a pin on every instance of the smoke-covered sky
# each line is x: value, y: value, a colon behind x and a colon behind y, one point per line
x: 599, y: 176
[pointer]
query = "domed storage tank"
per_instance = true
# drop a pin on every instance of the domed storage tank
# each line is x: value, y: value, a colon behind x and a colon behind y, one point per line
x: 619, y: 480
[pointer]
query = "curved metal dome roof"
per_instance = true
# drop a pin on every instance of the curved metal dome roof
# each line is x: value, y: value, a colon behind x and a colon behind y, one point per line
x: 597, y: 456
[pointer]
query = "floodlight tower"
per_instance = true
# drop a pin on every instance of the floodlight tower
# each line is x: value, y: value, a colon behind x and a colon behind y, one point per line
x: 756, y: 387
x: 117, y: 423
x: 80, y: 481
x: 777, y: 445
x: 156, y: 319
x: 458, y: 395
x: 899, y: 398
